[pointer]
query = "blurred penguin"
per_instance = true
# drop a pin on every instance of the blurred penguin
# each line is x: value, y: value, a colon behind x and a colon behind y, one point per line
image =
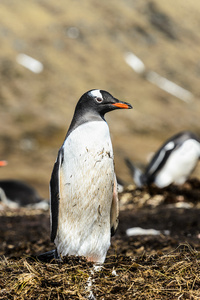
x: 172, y: 163
x: 16, y: 193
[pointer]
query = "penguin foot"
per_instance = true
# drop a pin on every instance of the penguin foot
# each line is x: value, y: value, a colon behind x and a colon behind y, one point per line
x: 48, y: 256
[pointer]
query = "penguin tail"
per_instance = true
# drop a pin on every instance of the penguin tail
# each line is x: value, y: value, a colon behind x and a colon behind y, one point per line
x: 48, y: 256
x: 135, y: 172
x: 120, y: 185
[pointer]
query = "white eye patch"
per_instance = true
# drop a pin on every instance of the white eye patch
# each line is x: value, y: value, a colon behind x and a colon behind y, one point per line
x: 169, y: 146
x: 96, y: 93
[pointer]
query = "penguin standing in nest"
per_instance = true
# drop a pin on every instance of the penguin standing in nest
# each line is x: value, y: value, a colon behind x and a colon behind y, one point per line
x: 83, y: 186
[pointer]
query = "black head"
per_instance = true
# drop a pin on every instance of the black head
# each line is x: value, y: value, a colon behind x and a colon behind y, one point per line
x: 93, y: 105
x: 99, y: 102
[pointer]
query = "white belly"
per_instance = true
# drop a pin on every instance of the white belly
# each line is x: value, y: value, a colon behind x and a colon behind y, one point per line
x: 179, y: 165
x: 86, y: 188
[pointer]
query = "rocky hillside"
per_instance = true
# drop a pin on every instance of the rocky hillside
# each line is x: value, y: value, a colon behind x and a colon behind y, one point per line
x: 83, y: 45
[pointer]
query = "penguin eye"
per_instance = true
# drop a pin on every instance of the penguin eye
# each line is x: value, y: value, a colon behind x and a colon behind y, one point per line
x: 98, y: 99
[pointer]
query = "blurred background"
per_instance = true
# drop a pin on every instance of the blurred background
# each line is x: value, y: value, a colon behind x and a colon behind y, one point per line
x: 144, y: 52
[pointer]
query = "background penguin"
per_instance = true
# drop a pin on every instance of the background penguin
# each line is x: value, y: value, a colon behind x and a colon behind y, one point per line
x: 16, y: 193
x: 172, y: 163
x: 83, y: 186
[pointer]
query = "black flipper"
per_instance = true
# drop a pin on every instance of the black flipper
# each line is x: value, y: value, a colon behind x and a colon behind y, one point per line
x: 55, y: 194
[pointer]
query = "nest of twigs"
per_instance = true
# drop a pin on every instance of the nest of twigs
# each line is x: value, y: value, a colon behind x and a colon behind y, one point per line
x: 175, y: 275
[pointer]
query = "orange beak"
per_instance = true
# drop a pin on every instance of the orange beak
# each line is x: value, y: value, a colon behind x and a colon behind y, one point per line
x: 122, y: 105
x: 3, y: 163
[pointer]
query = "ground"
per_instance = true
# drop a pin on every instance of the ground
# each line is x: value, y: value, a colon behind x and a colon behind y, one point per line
x: 82, y: 45
x: 138, y: 267
x: 37, y: 108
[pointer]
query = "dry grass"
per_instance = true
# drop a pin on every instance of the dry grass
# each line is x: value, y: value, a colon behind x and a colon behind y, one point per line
x: 138, y: 267
x: 38, y: 108
x: 175, y: 275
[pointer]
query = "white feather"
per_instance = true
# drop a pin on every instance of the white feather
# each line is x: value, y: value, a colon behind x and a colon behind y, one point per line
x: 96, y: 93
x: 86, y: 188
x: 169, y: 146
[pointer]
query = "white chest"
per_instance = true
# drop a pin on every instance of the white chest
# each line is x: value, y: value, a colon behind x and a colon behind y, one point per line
x: 86, y: 188
x: 180, y: 164
x: 88, y: 140
x: 88, y: 156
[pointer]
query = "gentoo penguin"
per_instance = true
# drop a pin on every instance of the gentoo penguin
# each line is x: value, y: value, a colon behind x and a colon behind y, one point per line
x: 16, y: 193
x: 172, y: 163
x: 83, y: 186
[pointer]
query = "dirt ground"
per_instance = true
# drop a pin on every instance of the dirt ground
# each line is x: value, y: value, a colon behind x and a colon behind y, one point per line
x: 174, y: 211
x: 37, y: 108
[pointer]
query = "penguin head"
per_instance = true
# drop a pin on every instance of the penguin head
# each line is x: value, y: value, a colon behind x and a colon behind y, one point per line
x: 100, y: 102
